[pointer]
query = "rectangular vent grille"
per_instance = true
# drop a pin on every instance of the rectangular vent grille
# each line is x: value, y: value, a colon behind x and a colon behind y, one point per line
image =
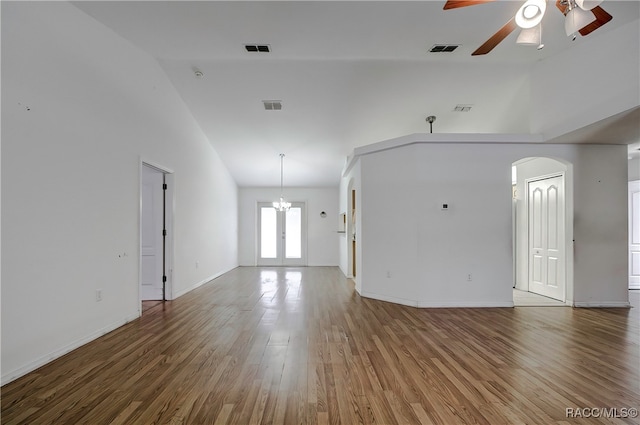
x: 462, y: 108
x: 259, y: 48
x: 443, y: 48
x: 272, y: 105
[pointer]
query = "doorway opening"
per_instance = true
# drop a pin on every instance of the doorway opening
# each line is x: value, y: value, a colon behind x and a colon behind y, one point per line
x: 634, y: 234
x: 156, y: 236
x: 282, y: 235
x: 350, y: 230
x: 542, y: 214
x: 353, y: 233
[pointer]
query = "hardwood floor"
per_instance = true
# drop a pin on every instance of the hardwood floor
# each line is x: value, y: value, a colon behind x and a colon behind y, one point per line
x: 148, y: 305
x: 530, y: 299
x: 299, y: 346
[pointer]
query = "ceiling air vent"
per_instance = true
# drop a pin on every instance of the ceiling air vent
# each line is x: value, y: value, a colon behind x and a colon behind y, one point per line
x: 462, y: 108
x: 259, y: 48
x: 443, y: 48
x: 272, y: 105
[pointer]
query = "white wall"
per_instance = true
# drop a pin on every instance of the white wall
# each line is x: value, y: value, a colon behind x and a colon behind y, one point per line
x: 634, y: 168
x: 600, y: 225
x: 79, y: 114
x: 322, y: 233
x: 414, y: 253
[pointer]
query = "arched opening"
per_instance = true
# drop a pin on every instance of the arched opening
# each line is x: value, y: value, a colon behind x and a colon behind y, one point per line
x: 542, y: 212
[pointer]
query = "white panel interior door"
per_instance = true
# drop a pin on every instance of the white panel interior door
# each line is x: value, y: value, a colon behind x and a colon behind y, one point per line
x: 281, y: 235
x: 634, y: 234
x: 152, y: 241
x: 546, y: 237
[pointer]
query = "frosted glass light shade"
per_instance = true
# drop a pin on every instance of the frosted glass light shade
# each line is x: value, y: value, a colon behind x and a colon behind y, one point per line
x: 530, y: 13
x: 577, y: 19
x: 588, y: 4
x: 530, y: 36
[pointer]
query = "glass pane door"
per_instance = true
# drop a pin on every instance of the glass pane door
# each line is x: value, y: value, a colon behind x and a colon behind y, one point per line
x: 281, y: 235
x: 293, y: 233
x: 268, y: 232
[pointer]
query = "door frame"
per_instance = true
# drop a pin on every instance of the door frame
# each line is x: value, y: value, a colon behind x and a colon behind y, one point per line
x: 632, y: 185
x: 169, y: 209
x: 351, y: 234
x: 551, y: 165
x: 563, y: 241
x: 282, y: 260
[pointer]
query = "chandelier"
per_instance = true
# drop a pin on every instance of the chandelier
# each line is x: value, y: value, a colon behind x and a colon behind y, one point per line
x: 281, y: 205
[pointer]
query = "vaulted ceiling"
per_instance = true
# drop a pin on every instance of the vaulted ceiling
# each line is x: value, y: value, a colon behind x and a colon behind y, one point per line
x: 347, y: 73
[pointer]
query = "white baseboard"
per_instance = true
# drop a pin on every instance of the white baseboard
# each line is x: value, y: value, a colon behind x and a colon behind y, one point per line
x: 395, y: 300
x: 465, y: 304
x: 602, y: 304
x: 43, y: 360
x: 202, y: 282
x: 436, y: 304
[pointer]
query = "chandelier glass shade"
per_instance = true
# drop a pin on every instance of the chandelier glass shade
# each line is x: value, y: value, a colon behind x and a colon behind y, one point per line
x: 577, y: 18
x: 282, y: 205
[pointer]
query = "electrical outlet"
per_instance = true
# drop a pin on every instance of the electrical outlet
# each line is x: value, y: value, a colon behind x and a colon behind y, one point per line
x: 388, y: 274
x: 469, y: 278
x: 197, y: 264
x: 98, y: 295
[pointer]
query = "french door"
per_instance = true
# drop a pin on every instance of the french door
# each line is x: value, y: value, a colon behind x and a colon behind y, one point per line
x: 282, y: 235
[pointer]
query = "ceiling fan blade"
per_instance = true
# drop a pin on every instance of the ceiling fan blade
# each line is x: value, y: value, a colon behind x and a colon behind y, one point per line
x: 602, y: 17
x: 496, y: 38
x: 455, y: 4
x: 562, y: 7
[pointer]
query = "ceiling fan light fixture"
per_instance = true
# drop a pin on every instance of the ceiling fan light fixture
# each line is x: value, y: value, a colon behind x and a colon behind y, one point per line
x: 577, y: 19
x: 530, y: 13
x: 588, y: 4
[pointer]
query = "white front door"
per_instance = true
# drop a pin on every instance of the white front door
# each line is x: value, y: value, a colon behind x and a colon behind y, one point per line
x: 281, y: 235
x: 152, y: 238
x: 634, y: 234
x: 546, y: 237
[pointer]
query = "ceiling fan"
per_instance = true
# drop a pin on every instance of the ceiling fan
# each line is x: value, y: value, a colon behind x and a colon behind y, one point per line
x: 581, y: 17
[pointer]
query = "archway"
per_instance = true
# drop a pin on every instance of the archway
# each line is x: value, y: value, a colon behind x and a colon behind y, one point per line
x: 542, y: 231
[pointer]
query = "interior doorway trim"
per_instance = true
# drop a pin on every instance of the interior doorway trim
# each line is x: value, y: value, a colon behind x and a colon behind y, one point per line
x: 546, y: 234
x: 168, y: 248
x: 634, y: 234
x: 351, y: 230
x: 547, y: 166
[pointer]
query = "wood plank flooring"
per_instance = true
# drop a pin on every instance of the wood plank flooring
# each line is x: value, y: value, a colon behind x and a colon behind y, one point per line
x: 299, y: 346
